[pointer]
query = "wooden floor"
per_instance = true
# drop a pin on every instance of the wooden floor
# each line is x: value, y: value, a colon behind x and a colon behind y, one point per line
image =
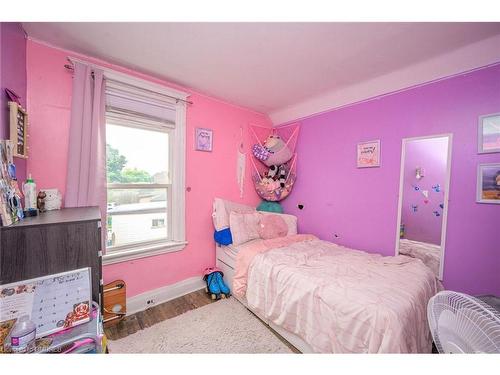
x: 167, y: 310
x: 156, y: 314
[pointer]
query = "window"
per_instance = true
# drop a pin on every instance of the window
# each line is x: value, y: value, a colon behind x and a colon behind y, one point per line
x: 145, y: 146
x: 138, y: 184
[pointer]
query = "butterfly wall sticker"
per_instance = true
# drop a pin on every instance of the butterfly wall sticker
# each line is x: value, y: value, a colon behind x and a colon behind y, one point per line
x: 436, y: 188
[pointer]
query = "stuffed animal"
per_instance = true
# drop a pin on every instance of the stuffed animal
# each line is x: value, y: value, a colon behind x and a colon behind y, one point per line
x: 274, y: 143
x: 269, y: 184
x: 40, y: 201
x: 272, y: 172
x: 282, y: 175
x: 278, y: 173
x: 274, y: 151
x: 260, y: 153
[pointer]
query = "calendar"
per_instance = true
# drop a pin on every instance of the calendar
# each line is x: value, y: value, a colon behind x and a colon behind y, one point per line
x: 53, y: 302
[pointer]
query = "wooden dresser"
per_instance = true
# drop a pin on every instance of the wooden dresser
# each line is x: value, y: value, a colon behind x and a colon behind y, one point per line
x: 52, y: 242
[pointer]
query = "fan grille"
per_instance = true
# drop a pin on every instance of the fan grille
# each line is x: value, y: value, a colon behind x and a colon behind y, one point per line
x: 460, y: 323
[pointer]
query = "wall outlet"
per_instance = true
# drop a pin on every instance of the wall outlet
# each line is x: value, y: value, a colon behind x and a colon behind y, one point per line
x: 150, y: 302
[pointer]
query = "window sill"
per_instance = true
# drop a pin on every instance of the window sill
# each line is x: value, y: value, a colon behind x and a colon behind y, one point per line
x: 143, y: 252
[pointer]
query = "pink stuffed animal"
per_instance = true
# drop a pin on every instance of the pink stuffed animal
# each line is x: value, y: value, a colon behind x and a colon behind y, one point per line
x: 274, y: 152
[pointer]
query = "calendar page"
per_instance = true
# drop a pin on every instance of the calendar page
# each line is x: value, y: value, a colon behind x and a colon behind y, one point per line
x: 53, y: 302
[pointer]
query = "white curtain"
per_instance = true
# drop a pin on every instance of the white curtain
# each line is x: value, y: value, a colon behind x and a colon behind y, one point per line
x: 86, y: 175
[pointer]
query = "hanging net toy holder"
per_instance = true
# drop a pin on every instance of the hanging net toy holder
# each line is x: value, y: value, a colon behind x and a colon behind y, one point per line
x: 274, y: 161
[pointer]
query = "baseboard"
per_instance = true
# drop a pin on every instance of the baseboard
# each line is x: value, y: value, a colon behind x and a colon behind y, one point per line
x: 154, y: 297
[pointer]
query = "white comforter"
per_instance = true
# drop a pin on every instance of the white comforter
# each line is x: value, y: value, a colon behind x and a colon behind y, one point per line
x: 342, y: 300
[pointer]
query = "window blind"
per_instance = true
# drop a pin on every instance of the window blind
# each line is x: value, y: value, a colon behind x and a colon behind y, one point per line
x: 141, y: 106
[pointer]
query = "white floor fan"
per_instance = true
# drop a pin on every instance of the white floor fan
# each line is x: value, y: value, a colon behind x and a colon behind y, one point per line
x: 460, y: 323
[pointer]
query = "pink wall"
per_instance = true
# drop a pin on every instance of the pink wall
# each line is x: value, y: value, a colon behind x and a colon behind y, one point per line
x: 431, y: 155
x: 360, y: 205
x: 207, y: 174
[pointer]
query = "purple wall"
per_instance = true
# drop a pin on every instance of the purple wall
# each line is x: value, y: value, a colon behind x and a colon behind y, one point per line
x: 12, y: 76
x: 360, y: 205
x: 422, y: 224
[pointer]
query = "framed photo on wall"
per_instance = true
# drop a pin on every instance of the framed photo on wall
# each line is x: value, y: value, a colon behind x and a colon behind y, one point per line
x: 488, y: 138
x: 368, y: 154
x: 203, y: 139
x: 488, y: 183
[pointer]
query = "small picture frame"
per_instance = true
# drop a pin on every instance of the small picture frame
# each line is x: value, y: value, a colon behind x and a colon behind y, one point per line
x: 368, y: 154
x: 488, y: 138
x: 488, y: 183
x: 203, y: 139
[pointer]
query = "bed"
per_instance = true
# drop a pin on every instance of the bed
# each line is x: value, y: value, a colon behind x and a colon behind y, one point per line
x: 226, y: 261
x: 325, y: 298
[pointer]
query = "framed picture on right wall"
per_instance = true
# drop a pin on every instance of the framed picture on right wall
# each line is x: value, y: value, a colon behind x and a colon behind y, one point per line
x: 488, y: 136
x: 488, y: 183
x: 368, y: 154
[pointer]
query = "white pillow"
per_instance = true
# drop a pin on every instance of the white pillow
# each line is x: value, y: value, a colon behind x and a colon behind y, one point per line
x: 221, y: 210
x: 244, y: 227
x: 290, y: 220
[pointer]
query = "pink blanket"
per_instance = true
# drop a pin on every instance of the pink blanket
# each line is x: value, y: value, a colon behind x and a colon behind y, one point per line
x: 249, y: 250
x: 337, y: 299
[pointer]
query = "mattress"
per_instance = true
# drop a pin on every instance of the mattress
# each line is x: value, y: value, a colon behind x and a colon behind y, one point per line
x: 227, y: 254
x: 230, y: 251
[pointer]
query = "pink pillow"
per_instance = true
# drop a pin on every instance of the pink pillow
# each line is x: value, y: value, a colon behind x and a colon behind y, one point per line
x: 244, y: 227
x: 272, y: 226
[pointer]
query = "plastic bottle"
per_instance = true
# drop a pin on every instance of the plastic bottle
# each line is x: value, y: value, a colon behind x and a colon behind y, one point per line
x: 22, y: 337
x: 29, y: 190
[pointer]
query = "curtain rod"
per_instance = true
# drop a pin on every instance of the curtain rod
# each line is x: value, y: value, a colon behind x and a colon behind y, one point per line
x: 72, y: 68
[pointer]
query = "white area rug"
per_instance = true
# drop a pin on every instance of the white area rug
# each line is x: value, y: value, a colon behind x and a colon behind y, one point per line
x: 225, y: 326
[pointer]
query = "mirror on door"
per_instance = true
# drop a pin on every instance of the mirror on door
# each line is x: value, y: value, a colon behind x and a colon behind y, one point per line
x: 423, y: 198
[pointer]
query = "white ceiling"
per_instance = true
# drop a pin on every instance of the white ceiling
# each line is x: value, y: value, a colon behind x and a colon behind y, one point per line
x: 267, y: 67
